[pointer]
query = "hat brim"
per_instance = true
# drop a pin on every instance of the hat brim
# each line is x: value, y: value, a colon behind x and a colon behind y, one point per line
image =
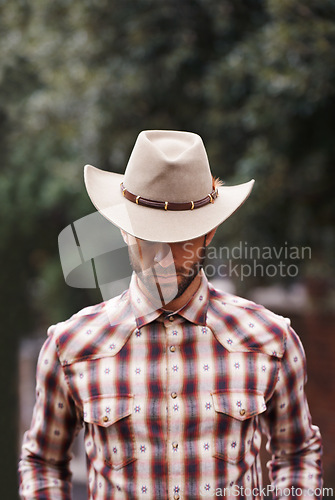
x: 160, y: 225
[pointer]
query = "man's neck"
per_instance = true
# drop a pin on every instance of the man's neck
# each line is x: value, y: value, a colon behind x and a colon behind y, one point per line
x: 181, y: 301
x: 178, y: 302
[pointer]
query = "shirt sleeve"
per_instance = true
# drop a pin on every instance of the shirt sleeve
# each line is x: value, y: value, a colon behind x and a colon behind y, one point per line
x: 294, y: 443
x: 44, y: 471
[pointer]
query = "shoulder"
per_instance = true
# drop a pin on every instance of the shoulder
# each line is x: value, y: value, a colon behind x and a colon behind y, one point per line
x: 78, y: 322
x: 241, y: 324
x: 89, y: 331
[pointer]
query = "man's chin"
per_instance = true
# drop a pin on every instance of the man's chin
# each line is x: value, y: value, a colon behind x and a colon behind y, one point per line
x: 160, y: 292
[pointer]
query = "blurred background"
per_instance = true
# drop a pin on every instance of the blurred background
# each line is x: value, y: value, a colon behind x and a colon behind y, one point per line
x: 81, y: 78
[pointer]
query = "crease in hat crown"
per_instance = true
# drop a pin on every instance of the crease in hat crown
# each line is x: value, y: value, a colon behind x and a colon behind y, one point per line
x: 168, y: 166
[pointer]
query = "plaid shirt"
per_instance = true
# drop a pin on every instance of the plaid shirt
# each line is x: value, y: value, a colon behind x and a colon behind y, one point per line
x: 173, y: 404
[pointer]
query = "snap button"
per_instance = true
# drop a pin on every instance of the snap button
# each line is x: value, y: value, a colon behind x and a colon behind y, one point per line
x: 242, y: 412
x: 171, y: 318
x: 173, y: 395
x: 172, y: 348
x: 175, y: 445
x: 176, y: 496
x: 105, y: 419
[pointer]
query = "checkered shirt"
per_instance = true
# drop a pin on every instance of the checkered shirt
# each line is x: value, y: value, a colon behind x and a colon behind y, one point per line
x: 173, y: 404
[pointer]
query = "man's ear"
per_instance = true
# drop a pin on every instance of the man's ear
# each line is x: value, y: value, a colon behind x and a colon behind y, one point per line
x: 129, y: 239
x: 210, y: 236
x: 125, y: 236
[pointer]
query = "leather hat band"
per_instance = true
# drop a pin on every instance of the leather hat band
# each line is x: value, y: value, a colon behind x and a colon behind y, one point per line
x: 167, y: 205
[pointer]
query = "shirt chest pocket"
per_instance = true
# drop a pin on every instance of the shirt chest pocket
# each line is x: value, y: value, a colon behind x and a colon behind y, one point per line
x: 108, y: 418
x: 236, y: 425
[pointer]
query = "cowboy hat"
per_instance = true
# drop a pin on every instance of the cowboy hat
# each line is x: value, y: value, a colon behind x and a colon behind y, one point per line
x: 167, y: 192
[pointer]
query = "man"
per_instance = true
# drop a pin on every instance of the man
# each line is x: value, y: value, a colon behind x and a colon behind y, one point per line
x: 173, y: 380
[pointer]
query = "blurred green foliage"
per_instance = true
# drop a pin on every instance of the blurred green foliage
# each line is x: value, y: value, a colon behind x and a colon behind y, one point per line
x: 79, y: 80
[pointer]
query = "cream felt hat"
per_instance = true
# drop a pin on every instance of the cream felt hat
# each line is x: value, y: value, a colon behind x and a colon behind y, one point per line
x: 167, y: 192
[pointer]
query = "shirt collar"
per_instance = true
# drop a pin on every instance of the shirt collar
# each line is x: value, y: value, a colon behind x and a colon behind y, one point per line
x: 143, y: 309
x: 194, y: 311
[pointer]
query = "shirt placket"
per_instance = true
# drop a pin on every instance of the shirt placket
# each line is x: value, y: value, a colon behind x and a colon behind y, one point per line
x: 175, y: 407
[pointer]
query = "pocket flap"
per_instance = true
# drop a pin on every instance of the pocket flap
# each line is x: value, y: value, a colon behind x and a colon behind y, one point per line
x: 105, y: 410
x: 239, y: 404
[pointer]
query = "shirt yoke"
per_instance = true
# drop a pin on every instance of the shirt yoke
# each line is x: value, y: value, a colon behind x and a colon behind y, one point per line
x: 238, y: 324
x: 241, y: 325
x: 95, y: 331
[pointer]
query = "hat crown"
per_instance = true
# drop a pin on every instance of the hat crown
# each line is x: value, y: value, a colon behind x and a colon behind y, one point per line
x: 167, y: 165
